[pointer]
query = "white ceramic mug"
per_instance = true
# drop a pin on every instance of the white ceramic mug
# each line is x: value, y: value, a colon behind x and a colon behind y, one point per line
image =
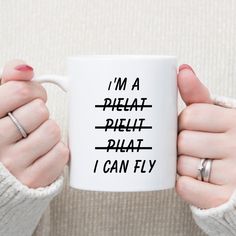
x: 122, y: 121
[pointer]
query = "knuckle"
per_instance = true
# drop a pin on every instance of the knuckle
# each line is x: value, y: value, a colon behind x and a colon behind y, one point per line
x: 41, y: 108
x: 220, y: 198
x: 53, y: 129
x: 43, y: 92
x: 187, y: 115
x: 30, y: 181
x: 228, y: 144
x: 180, y: 164
x: 63, y: 151
x: 22, y: 90
x: 182, y: 186
x: 8, y: 163
x: 182, y: 137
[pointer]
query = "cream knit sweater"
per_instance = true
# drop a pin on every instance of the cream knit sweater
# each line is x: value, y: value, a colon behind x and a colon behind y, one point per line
x: 21, y: 207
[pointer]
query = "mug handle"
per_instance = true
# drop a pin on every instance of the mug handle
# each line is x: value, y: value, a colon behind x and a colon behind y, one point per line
x: 60, y: 81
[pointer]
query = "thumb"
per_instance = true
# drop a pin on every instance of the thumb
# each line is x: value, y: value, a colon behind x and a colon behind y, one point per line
x: 190, y: 87
x: 16, y: 70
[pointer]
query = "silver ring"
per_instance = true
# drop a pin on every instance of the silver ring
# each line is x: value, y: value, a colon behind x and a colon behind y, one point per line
x: 18, y: 125
x: 206, y: 172
x: 200, y: 169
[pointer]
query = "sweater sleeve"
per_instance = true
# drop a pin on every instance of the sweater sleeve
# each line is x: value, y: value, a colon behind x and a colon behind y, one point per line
x: 220, y: 220
x: 21, y: 207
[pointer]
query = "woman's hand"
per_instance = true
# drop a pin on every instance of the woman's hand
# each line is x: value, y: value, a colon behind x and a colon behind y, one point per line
x: 205, y: 131
x: 39, y: 159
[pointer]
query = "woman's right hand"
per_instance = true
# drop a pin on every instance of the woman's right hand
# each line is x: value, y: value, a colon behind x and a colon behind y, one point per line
x: 39, y: 159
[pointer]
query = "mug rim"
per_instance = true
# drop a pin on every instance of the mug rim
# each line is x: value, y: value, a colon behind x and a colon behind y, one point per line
x: 122, y: 56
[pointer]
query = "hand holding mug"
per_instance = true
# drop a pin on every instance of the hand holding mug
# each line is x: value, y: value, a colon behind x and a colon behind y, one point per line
x: 122, y: 124
x: 38, y: 158
x: 206, y: 131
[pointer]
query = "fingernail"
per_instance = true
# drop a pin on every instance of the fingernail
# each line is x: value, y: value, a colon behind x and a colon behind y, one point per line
x: 24, y: 67
x: 186, y: 66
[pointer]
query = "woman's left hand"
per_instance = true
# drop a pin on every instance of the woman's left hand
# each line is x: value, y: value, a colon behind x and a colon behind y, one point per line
x: 205, y: 131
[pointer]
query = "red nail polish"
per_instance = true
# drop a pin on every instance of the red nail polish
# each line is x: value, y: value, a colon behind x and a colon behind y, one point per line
x: 23, y: 68
x: 186, y: 66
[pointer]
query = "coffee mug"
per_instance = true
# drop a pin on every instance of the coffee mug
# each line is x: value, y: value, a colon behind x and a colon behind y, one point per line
x: 122, y: 121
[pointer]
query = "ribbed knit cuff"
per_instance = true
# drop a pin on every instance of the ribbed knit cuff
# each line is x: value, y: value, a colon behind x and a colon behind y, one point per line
x: 21, y: 207
x: 220, y: 220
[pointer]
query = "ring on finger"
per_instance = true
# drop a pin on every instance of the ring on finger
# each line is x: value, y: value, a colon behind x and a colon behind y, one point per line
x: 206, y: 172
x: 200, y: 168
x: 18, y: 125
